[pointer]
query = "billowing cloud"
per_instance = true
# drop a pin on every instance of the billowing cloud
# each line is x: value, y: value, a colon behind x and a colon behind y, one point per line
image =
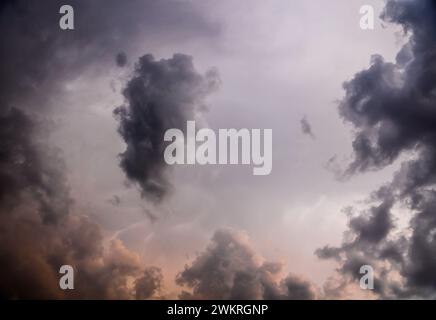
x: 392, y: 108
x: 162, y: 94
x: 229, y: 268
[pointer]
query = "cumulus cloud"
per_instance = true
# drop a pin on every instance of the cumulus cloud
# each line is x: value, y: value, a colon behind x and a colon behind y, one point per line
x: 229, y: 268
x: 392, y: 109
x: 162, y: 94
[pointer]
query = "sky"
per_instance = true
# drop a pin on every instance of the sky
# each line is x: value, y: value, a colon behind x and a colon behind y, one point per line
x: 83, y: 113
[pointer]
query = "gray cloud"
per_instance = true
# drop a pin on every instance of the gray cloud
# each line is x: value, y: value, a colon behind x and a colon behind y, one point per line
x: 391, y: 107
x: 162, y: 94
x: 229, y: 268
x: 374, y: 225
x: 38, y: 54
x: 150, y: 283
x: 39, y: 229
x: 306, y: 128
x: 121, y: 59
x: 27, y: 164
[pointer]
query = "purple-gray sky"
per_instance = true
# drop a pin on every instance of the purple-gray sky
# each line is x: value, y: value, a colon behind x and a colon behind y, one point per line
x: 281, y: 64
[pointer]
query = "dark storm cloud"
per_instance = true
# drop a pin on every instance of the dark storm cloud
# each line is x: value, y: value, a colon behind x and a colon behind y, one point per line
x: 162, y: 94
x: 392, y: 106
x: 38, y: 230
x: 306, y: 128
x: 230, y: 269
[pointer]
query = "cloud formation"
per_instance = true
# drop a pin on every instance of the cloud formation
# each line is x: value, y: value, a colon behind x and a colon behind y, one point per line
x: 40, y: 230
x: 40, y: 233
x: 306, y: 128
x: 39, y: 56
x: 149, y: 284
x: 162, y: 94
x: 229, y: 268
x: 392, y: 109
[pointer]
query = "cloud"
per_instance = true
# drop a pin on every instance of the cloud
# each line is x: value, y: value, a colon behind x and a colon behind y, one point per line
x: 375, y: 225
x: 27, y: 164
x: 306, y: 128
x: 392, y: 109
x: 39, y: 231
x: 150, y: 283
x: 229, y: 268
x: 39, y: 56
x: 121, y: 59
x: 162, y: 94
x: 40, y: 228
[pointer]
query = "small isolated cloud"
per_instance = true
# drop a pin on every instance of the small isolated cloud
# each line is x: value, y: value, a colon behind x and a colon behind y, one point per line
x: 306, y: 128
